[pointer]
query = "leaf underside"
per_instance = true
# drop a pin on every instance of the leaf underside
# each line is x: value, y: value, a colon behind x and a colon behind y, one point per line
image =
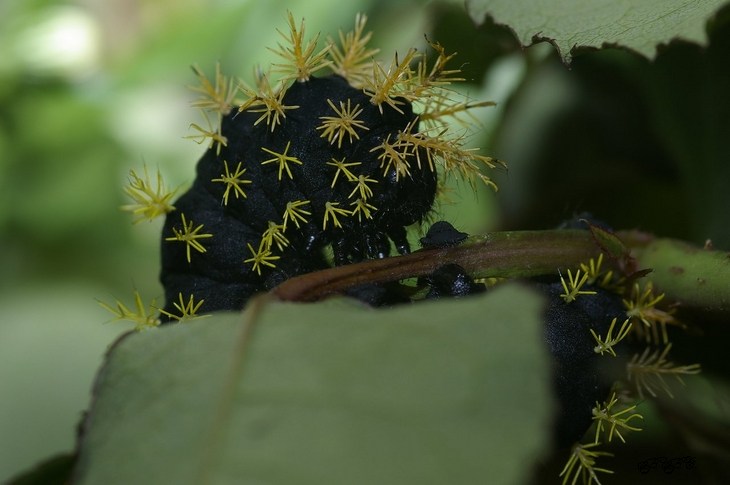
x: 636, y: 25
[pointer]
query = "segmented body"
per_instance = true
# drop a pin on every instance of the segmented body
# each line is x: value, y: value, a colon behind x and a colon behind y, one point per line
x: 307, y: 187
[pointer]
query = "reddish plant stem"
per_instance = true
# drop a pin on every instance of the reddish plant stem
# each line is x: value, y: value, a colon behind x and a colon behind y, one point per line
x: 500, y: 254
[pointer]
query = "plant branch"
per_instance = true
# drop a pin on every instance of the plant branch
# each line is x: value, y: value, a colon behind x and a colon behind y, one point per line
x: 695, y: 277
x: 500, y: 254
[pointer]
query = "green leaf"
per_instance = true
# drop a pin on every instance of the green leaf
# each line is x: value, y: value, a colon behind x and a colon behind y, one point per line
x: 637, y: 25
x: 439, y: 392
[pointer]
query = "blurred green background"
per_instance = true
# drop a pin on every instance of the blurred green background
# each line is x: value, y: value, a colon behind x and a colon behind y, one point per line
x: 90, y: 89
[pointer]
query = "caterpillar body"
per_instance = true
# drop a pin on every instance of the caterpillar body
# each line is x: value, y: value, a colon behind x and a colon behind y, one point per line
x: 341, y: 160
x: 375, y: 203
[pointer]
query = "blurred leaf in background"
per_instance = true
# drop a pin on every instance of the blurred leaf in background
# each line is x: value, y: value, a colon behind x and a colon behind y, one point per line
x: 567, y: 24
x: 638, y: 143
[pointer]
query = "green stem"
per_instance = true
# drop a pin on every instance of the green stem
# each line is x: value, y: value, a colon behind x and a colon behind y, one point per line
x: 693, y: 276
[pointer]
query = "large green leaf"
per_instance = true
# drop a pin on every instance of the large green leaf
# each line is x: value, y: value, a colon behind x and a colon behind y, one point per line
x: 639, y: 25
x: 445, y: 392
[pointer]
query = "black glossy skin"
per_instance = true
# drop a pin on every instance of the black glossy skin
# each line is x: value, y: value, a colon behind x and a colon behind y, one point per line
x: 451, y: 280
x: 219, y: 276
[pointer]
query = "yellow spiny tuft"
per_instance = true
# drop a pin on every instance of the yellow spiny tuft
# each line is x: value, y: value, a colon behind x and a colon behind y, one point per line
x: 352, y: 59
x: 361, y: 186
x: 189, y: 236
x: 613, y: 421
x: 233, y: 181
x: 607, y: 344
x: 393, y: 154
x: 260, y: 257
x: 343, y: 167
x: 648, y: 370
x: 362, y: 208
x: 149, y: 202
x: 437, y: 110
x: 215, y: 96
x: 416, y: 144
x: 573, y: 286
x: 265, y: 99
x: 205, y: 133
x: 596, y: 275
x: 466, y: 161
x: 283, y: 159
x: 143, y: 317
x: 294, y: 212
x: 641, y: 307
x: 301, y: 60
x: 331, y: 211
x: 187, y: 310
x: 274, y: 234
x: 429, y: 82
x: 335, y: 127
x: 386, y: 85
x: 582, y: 464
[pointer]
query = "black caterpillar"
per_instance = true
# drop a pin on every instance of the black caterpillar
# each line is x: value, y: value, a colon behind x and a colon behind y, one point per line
x: 348, y: 160
x: 321, y: 176
x: 340, y: 160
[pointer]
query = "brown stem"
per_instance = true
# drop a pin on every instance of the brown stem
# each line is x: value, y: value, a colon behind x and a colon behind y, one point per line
x: 500, y: 254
